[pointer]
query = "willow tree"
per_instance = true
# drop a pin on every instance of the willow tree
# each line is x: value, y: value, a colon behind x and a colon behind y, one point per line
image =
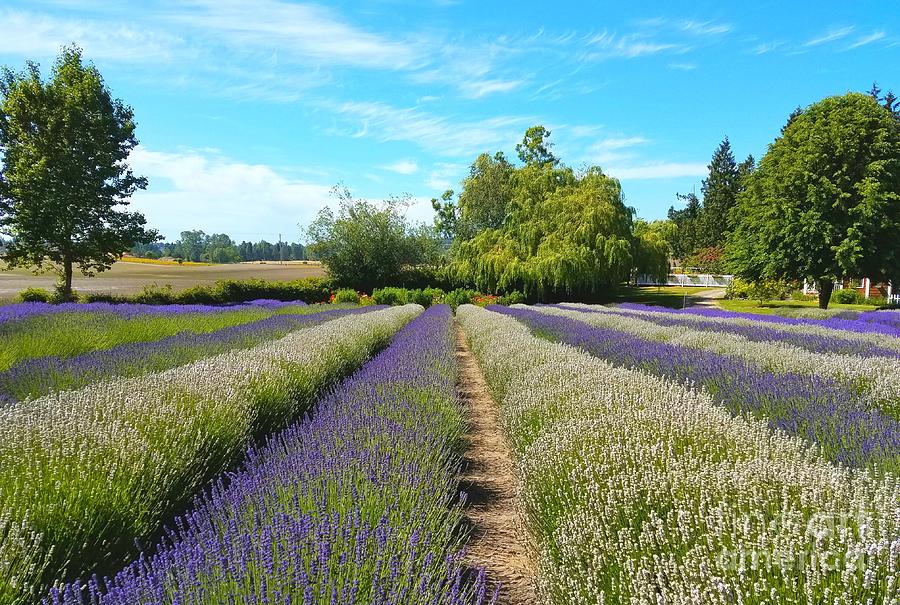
x: 574, y: 240
x: 65, y: 175
x: 824, y: 203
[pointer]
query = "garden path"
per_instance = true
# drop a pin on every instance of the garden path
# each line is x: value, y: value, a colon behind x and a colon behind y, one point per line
x: 498, y: 540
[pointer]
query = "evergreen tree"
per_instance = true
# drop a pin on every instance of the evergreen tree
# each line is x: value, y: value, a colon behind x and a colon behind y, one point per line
x: 793, y: 116
x: 720, y: 190
x: 889, y: 100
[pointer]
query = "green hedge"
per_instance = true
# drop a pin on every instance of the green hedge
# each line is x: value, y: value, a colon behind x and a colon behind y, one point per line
x: 310, y: 290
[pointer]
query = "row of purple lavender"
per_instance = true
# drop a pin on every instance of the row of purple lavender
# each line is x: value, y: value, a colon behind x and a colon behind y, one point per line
x: 358, y: 504
x: 84, y: 473
x: 19, y: 311
x: 868, y: 323
x: 820, y: 410
x: 37, y: 376
x: 818, y: 341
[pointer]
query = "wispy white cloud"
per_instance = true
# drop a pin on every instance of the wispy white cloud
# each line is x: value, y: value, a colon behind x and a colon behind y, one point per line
x: 614, y: 149
x: 659, y: 170
x: 830, y: 36
x: 442, y: 135
x: 439, y: 180
x: 185, y: 185
x: 767, y: 47
x: 403, y: 167
x: 483, y: 88
x: 41, y: 35
x: 705, y: 28
x: 297, y: 31
x: 607, y: 45
x: 862, y: 41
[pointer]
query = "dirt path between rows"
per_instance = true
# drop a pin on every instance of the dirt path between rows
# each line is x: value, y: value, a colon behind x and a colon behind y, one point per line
x: 498, y: 540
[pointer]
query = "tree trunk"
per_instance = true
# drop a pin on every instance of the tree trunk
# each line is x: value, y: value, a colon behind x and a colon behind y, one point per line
x: 826, y: 287
x: 66, y: 286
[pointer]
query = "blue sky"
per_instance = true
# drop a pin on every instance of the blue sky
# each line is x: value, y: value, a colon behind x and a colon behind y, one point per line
x: 249, y: 112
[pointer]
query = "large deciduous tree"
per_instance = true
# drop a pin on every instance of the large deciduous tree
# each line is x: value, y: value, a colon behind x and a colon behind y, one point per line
x: 824, y: 202
x: 575, y: 240
x: 65, y: 144
x: 543, y: 229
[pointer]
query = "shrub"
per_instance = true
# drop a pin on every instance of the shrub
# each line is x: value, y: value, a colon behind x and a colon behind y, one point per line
x: 420, y: 297
x: 365, y: 300
x: 738, y: 289
x: 35, y: 295
x: 459, y: 296
x: 154, y: 294
x: 390, y: 296
x: 436, y: 294
x: 848, y: 296
x: 483, y: 300
x: 310, y: 290
x: 512, y: 298
x: 346, y: 295
x: 105, y: 297
x: 762, y: 290
x: 798, y: 295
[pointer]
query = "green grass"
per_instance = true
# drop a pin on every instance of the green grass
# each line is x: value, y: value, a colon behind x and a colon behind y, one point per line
x: 785, y: 307
x: 666, y: 296
x: 68, y: 334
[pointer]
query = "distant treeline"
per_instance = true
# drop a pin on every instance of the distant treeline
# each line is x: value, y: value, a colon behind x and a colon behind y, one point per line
x: 197, y: 246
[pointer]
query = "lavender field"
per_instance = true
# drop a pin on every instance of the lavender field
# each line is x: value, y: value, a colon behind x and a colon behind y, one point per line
x: 287, y: 453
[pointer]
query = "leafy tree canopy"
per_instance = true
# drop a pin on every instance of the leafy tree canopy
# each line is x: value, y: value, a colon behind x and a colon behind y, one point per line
x: 65, y: 144
x: 545, y: 230
x: 653, y: 247
x: 824, y: 202
x: 535, y: 148
x: 367, y: 246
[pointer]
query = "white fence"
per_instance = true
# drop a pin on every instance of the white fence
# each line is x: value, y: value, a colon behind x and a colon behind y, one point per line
x: 687, y: 279
x: 894, y: 299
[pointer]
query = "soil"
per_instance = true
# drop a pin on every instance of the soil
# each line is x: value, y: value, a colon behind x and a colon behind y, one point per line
x: 128, y: 278
x: 498, y: 540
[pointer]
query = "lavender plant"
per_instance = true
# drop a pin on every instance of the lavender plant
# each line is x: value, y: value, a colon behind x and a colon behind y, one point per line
x: 41, y: 375
x: 822, y: 411
x: 84, y: 473
x: 877, y: 378
x: 639, y: 489
x: 99, y: 326
x: 357, y: 504
x: 810, y: 338
x: 833, y: 323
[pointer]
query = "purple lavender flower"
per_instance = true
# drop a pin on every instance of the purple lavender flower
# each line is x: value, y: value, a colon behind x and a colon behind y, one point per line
x: 836, y: 323
x: 19, y: 311
x: 332, y: 509
x: 820, y: 410
x: 37, y: 376
x: 758, y: 332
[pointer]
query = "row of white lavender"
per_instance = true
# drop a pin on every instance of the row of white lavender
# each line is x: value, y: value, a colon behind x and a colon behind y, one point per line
x: 83, y: 474
x: 640, y: 490
x: 878, y: 378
